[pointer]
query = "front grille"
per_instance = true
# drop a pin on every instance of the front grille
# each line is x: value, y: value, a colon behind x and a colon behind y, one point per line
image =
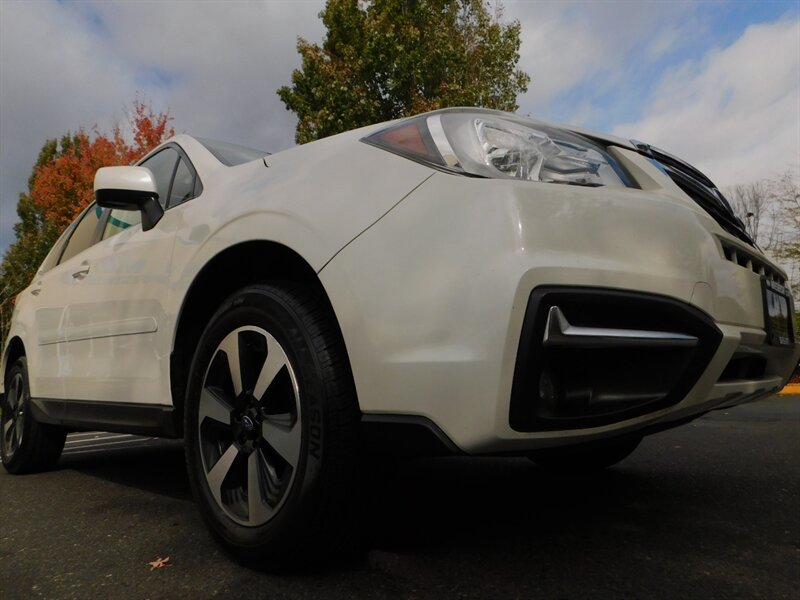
x: 699, y: 188
x: 750, y: 261
x: 709, y: 199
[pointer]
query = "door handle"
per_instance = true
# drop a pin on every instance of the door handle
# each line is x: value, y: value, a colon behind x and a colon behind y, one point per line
x: 38, y: 289
x: 83, y: 272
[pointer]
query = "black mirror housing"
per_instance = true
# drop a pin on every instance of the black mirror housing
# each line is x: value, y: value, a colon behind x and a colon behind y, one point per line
x: 145, y: 202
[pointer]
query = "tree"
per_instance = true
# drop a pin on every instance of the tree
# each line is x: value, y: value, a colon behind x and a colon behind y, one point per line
x: 385, y: 59
x: 786, y: 196
x: 770, y: 209
x: 786, y: 192
x: 753, y: 204
x: 60, y: 187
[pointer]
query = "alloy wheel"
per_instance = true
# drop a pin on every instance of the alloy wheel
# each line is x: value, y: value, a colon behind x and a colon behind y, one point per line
x: 249, y: 425
x: 13, y: 421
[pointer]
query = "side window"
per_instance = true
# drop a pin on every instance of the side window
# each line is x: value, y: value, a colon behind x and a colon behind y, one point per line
x: 51, y: 260
x: 182, y: 186
x: 84, y: 234
x: 162, y: 165
x: 119, y: 220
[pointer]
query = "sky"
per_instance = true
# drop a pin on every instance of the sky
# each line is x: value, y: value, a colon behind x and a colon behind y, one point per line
x: 715, y: 82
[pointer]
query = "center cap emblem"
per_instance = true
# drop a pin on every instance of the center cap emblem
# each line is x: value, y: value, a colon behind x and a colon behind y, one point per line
x: 247, y: 423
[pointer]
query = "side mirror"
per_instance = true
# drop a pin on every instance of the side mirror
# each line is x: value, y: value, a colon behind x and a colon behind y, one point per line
x: 129, y: 188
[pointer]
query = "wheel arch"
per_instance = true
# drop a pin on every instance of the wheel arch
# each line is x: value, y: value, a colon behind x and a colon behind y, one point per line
x: 216, y: 281
x: 14, y: 350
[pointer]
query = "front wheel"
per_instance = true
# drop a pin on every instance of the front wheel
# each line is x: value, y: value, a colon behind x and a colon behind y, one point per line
x: 270, y: 425
x: 27, y: 446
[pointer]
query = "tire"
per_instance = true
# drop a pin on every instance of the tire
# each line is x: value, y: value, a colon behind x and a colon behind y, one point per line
x: 271, y: 408
x: 27, y: 446
x: 585, y: 460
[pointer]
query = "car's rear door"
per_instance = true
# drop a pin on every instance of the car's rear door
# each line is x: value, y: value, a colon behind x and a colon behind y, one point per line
x: 118, y: 332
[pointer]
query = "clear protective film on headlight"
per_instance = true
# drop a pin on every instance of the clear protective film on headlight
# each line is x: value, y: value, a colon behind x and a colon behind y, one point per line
x: 501, y: 145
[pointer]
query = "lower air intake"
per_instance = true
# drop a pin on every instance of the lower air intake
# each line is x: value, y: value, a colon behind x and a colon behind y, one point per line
x: 592, y: 356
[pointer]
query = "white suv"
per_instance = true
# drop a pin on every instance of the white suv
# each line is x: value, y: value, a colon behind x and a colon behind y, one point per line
x: 462, y: 282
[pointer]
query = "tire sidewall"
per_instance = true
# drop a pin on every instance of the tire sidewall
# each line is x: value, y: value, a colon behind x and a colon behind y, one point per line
x: 262, y: 307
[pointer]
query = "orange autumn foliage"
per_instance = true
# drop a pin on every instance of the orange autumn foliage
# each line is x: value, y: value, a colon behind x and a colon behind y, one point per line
x: 62, y: 188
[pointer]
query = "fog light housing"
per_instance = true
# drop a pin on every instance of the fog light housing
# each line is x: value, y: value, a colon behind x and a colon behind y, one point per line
x: 548, y: 393
x: 592, y: 356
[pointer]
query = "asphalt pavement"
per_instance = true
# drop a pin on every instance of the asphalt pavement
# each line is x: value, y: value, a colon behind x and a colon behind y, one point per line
x: 708, y: 510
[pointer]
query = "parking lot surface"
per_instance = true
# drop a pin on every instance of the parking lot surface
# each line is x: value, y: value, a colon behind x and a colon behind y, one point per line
x: 708, y: 510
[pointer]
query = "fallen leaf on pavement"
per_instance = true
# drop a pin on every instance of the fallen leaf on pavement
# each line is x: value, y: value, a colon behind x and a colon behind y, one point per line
x: 159, y: 563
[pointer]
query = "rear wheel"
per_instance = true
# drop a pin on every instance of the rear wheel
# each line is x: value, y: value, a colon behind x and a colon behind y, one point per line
x: 585, y: 459
x: 270, y: 425
x: 27, y: 446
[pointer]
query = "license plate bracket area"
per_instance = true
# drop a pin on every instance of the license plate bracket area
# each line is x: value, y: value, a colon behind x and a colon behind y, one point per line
x: 777, y: 313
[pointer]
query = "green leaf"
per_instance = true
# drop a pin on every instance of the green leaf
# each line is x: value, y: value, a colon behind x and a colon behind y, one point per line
x: 386, y: 59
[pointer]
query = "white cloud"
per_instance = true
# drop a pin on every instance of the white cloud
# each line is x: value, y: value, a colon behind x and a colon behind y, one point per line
x: 736, y: 112
x: 575, y: 43
x: 215, y: 66
x: 224, y: 61
x: 51, y: 81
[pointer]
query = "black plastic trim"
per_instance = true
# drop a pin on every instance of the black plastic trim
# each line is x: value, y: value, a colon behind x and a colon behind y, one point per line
x: 698, y: 187
x: 145, y: 202
x: 709, y: 202
x: 407, y: 436
x: 123, y: 199
x: 523, y: 416
x: 613, y: 440
x: 119, y: 417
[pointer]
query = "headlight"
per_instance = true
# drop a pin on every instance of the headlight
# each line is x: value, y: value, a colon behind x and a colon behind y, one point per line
x: 501, y: 145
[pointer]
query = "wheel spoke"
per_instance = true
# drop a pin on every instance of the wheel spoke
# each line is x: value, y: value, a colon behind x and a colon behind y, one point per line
x: 18, y: 430
x: 218, y: 472
x: 214, y: 407
x: 8, y: 429
x: 250, y: 455
x: 13, y: 399
x: 276, y: 360
x: 284, y: 440
x: 257, y: 509
x: 230, y: 346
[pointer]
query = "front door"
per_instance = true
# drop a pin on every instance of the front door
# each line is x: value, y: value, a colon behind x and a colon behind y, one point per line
x: 118, y: 335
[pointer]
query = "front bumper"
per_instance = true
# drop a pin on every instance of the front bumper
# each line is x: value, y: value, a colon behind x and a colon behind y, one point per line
x: 432, y: 301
